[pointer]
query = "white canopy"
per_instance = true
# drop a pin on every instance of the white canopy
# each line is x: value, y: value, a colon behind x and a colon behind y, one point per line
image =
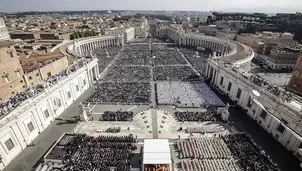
x: 157, y: 151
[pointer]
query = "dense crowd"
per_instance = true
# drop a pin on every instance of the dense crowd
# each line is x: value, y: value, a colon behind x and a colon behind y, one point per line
x: 64, y: 73
x: 113, y: 130
x: 209, y: 165
x: 117, y: 116
x: 250, y: 157
x: 232, y: 152
x: 134, y: 57
x: 137, y: 46
x: 175, y: 73
x: 128, y: 74
x: 191, y: 94
x: 172, y: 57
x: 166, y: 54
x: 82, y: 152
x: 198, y: 60
x: 14, y: 101
x: 195, y: 116
x: 277, y: 91
x: 203, y: 130
x: 105, y: 56
x: 164, y: 47
x: 126, y: 93
x: 200, y: 154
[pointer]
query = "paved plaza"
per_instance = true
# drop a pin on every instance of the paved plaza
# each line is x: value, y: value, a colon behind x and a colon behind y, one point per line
x: 154, y: 96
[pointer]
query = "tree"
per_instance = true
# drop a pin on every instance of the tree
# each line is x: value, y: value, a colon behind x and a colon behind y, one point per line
x: 76, y: 35
x: 81, y: 34
x: 250, y: 28
x: 72, y: 36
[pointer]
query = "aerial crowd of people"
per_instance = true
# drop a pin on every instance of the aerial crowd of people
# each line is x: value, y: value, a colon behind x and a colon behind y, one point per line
x: 83, y: 152
x: 198, y: 60
x: 228, y: 152
x: 117, y: 116
x: 277, y: 91
x: 195, y: 116
x: 105, y: 56
x: 125, y: 93
x: 128, y: 74
x: 192, y: 94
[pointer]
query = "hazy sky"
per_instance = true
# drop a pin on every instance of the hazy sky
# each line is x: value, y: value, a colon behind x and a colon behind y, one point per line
x: 269, y: 6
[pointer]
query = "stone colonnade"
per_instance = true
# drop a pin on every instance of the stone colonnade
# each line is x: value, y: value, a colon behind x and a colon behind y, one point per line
x: 221, y: 47
x: 81, y: 47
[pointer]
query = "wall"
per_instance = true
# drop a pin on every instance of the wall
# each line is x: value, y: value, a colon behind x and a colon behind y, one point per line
x: 40, y: 111
x: 279, y: 113
x: 10, y: 68
x: 3, y: 31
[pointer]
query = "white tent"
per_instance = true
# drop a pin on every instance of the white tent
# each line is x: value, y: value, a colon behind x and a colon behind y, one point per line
x: 157, y: 151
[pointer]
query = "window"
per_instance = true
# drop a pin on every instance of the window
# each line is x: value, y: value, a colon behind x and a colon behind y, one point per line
x: 18, y: 73
x: 30, y: 78
x: 281, y: 128
x: 11, y: 54
x: 69, y: 95
x: 229, y: 86
x: 49, y: 74
x: 46, y: 113
x: 249, y: 103
x: 238, y: 93
x: 37, y: 74
x: 284, y: 121
x: 6, y: 79
x: 9, y: 144
x: 84, y: 82
x: 300, y: 146
x: 263, y: 114
x: 55, y: 102
x: 77, y: 88
x: 30, y: 126
x: 59, y: 103
x: 221, y: 80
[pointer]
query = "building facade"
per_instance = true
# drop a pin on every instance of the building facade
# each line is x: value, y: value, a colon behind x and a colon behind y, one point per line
x: 295, y: 83
x: 37, y: 75
x: 3, y: 30
x: 21, y: 126
x: 276, y: 111
x: 11, y: 81
x: 281, y: 51
x: 25, y: 35
x: 129, y: 33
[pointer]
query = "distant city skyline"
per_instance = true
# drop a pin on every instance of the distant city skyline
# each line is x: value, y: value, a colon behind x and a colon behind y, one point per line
x: 266, y: 6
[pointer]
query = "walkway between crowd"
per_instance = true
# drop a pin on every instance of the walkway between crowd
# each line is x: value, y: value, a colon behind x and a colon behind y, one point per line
x: 154, y: 123
x: 28, y: 158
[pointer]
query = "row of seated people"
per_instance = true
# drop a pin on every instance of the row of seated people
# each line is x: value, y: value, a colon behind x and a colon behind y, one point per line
x: 237, y: 147
x: 117, y: 116
x: 84, y: 152
x: 126, y: 93
x: 203, y: 148
x: 249, y: 156
x: 209, y: 165
x: 195, y: 116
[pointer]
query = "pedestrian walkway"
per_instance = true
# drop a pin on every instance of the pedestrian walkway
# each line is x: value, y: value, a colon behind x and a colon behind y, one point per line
x: 29, y: 157
x: 154, y: 123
